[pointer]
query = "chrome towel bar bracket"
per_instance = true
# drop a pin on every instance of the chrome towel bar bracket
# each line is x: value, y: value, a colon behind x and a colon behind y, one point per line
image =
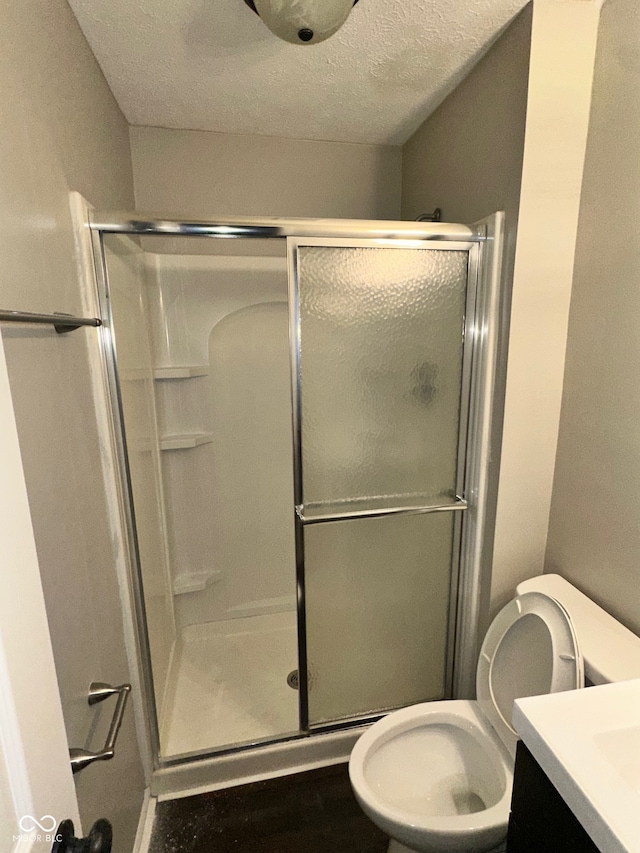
x: 98, y: 692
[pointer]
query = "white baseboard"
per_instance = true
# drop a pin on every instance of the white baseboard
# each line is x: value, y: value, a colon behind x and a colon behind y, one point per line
x: 145, y: 824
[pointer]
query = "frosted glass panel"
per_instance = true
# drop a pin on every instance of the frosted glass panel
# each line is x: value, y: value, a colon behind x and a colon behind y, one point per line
x: 377, y: 601
x: 380, y: 370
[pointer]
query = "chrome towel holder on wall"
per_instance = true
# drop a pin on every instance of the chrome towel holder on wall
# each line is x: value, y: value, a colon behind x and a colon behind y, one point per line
x: 62, y: 323
x: 98, y: 692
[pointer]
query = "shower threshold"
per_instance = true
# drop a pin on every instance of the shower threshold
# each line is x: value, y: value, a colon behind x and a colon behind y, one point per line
x: 254, y: 764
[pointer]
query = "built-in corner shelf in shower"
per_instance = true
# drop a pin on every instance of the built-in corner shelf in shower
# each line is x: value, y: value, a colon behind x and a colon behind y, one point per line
x: 185, y: 582
x: 185, y: 440
x: 188, y: 371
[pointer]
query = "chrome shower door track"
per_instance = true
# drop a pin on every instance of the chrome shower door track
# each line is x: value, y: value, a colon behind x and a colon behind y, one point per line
x: 235, y: 227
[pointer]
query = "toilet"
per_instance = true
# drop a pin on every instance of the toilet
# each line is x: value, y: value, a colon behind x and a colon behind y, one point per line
x: 437, y: 777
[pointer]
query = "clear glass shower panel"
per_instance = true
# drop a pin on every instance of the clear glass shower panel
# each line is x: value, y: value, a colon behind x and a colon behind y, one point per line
x: 201, y: 352
x: 377, y: 605
x: 131, y: 340
x: 381, y: 342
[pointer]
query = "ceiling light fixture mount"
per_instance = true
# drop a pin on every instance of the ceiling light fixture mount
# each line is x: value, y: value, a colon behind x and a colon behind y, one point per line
x: 302, y: 21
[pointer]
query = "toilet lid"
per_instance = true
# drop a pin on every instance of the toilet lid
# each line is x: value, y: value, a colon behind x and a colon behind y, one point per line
x: 530, y: 649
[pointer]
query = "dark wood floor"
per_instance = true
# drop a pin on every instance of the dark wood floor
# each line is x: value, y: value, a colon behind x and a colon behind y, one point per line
x: 313, y: 812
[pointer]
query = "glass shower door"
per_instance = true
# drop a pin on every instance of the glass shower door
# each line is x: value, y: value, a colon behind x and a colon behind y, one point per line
x: 380, y: 390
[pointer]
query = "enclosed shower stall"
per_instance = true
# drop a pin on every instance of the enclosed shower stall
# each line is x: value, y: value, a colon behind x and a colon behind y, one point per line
x: 303, y: 419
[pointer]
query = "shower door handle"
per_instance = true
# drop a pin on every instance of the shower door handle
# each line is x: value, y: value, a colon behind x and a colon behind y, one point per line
x: 98, y: 692
x: 315, y: 517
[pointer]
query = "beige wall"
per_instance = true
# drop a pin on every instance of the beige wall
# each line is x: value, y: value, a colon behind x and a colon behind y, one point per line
x: 563, y: 44
x: 467, y: 157
x: 484, y: 155
x: 62, y: 130
x: 594, y: 534
x: 197, y: 173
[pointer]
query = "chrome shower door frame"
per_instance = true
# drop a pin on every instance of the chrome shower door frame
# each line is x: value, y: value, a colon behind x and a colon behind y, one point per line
x: 484, y: 241
x: 125, y: 489
x: 458, y: 506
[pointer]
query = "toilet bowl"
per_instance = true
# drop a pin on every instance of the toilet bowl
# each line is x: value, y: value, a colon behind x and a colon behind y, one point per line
x: 437, y: 777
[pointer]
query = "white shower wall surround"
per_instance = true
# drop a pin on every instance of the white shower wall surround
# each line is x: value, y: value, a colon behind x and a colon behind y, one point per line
x: 225, y: 424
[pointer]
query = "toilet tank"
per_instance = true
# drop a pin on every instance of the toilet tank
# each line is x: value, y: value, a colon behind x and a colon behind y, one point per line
x: 610, y: 651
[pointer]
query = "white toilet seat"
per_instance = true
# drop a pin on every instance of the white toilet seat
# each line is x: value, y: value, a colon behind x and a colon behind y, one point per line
x: 536, y: 629
x: 438, y: 776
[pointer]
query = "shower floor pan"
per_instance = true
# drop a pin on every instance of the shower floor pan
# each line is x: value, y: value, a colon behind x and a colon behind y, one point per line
x: 230, y: 683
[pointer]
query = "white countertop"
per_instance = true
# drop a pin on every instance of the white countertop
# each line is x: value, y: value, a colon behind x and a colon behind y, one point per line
x: 588, y: 743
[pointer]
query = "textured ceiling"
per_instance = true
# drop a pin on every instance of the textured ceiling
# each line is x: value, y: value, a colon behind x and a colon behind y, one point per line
x: 213, y: 65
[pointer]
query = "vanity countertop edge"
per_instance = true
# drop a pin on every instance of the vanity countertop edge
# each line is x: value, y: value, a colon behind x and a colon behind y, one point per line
x: 564, y: 733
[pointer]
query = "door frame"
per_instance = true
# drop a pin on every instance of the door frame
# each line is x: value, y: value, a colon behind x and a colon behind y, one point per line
x: 32, y: 730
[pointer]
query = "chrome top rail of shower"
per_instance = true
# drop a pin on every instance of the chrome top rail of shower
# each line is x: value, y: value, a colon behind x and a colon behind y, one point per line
x: 379, y: 512
x: 273, y: 226
x: 61, y: 322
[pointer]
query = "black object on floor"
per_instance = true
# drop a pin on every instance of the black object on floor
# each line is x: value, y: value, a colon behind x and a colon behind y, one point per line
x: 312, y: 812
